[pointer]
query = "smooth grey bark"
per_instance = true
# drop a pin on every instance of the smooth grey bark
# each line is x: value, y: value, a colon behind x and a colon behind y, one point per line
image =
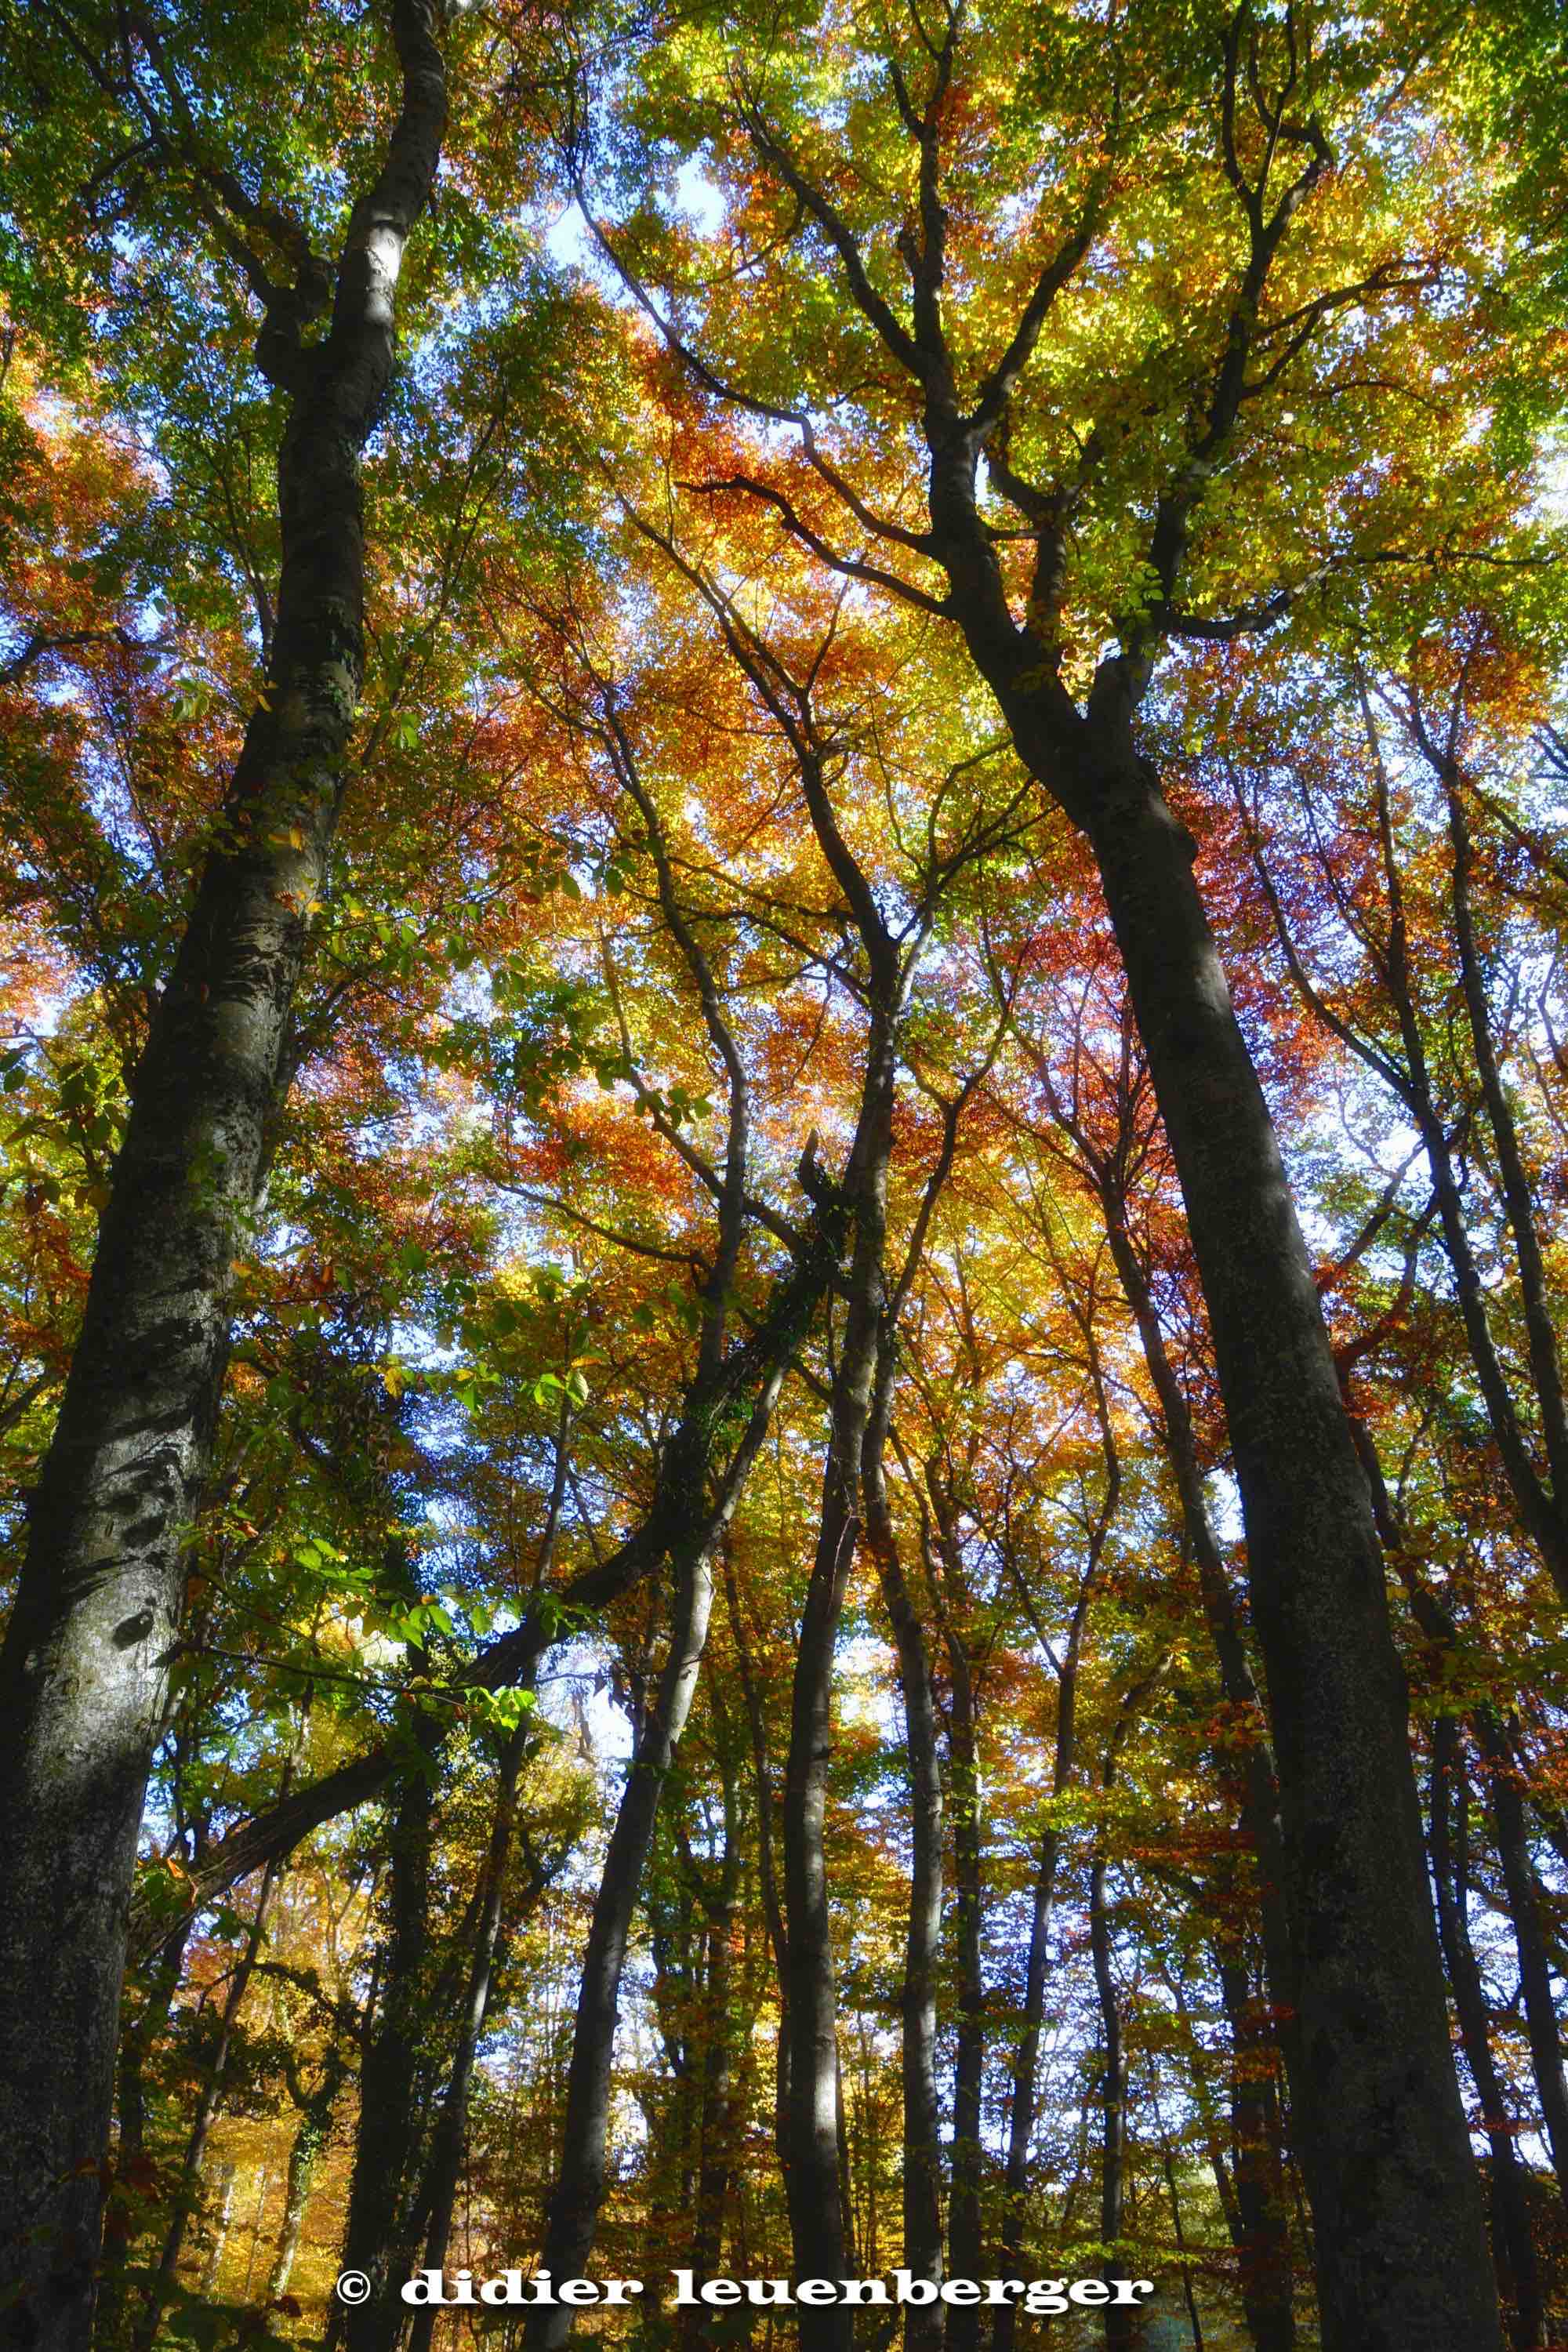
x: 83, y: 1673
x: 1513, y: 2245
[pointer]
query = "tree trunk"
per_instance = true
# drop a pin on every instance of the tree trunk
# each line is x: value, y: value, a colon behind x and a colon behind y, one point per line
x: 580, y: 2184
x: 376, y: 2238
x: 924, y: 2328
x: 814, y: 2174
x: 83, y: 1673
x: 1400, y: 2251
x: 1118, y: 2322
x: 439, y: 2193
x: 1513, y: 2247
x: 1026, y: 2056
x: 1259, y: 2216
x: 303, y: 2156
x: 1530, y: 1941
x: 963, y: 2241
x: 718, y: 2118
x: 218, y: 2233
x: 146, y: 2330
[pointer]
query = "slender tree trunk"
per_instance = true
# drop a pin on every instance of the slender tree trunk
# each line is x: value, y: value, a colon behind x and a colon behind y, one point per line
x: 1530, y: 1940
x: 1513, y: 2246
x: 814, y: 2174
x: 1258, y: 2214
x: 1113, y: 2087
x: 1026, y: 2056
x: 767, y: 1876
x: 718, y: 2119
x: 218, y: 2235
x: 207, y: 2108
x: 376, y: 2238
x: 439, y: 2196
x: 1546, y: 1371
x: 1121, y: 2320
x: 83, y: 1673
x: 304, y: 2155
x: 1258, y: 1792
x: 964, y: 2238
x: 924, y: 2328
x: 580, y: 2183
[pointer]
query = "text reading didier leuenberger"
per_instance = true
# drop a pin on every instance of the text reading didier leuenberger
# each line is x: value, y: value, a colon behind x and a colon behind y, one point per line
x: 512, y: 2286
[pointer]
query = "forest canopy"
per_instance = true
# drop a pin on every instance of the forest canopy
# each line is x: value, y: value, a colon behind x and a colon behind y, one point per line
x: 784, y: 1172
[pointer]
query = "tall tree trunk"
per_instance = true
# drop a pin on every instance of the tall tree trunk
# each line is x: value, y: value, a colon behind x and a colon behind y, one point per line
x: 1523, y: 1891
x: 1259, y: 1793
x: 1513, y: 2246
x: 439, y: 2191
x: 376, y: 2238
x: 83, y: 1677
x: 218, y: 2238
x: 964, y: 2238
x: 580, y: 2183
x: 1400, y: 2251
x: 1112, y: 2094
x: 207, y: 2107
x: 814, y: 2173
x: 1026, y: 2066
x: 923, y: 2327
x: 304, y: 2155
x: 1260, y: 2226
x: 767, y: 1876
x: 718, y: 2118
x: 1121, y: 2319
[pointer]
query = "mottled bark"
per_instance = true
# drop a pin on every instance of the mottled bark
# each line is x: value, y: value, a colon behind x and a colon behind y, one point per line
x: 83, y: 1673
x: 218, y: 2228
x: 304, y: 2155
